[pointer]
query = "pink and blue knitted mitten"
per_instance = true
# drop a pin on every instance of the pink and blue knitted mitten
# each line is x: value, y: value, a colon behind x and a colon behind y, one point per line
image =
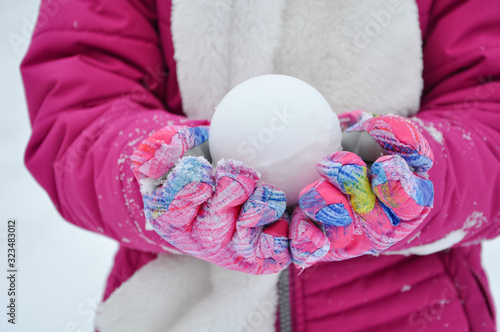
x: 219, y: 215
x: 354, y: 209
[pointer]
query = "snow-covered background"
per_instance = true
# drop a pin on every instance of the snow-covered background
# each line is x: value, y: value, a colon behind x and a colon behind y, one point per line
x: 61, y: 268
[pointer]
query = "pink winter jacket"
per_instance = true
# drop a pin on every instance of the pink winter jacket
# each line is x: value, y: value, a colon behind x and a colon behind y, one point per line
x: 100, y: 76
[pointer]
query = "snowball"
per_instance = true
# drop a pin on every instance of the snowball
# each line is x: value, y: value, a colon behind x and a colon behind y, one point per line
x: 280, y: 126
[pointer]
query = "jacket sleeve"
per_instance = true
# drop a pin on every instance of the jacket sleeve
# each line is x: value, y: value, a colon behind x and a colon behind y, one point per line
x: 95, y: 84
x: 460, y: 117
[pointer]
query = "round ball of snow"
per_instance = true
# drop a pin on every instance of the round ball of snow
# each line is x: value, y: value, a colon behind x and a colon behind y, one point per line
x: 280, y: 126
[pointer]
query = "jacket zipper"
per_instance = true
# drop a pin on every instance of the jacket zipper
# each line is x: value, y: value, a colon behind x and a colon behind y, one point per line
x: 284, y: 301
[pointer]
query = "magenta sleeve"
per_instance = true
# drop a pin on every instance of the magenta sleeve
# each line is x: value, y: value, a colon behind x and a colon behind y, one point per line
x: 460, y: 117
x: 96, y: 86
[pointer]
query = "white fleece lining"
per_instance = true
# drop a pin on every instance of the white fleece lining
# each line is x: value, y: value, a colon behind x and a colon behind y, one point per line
x: 254, y: 38
x: 369, y: 57
x: 183, y: 293
x: 444, y: 243
x: 369, y: 63
x: 474, y: 220
x: 219, y: 44
x: 200, y: 33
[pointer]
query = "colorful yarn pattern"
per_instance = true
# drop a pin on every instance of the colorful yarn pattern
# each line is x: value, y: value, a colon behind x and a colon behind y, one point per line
x: 157, y: 154
x: 222, y: 216
x: 353, y: 210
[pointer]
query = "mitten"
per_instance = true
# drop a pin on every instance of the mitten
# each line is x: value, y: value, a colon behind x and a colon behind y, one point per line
x: 359, y: 208
x: 219, y: 215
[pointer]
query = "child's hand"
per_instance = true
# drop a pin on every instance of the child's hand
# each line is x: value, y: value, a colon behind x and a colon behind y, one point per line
x: 354, y: 210
x: 220, y: 216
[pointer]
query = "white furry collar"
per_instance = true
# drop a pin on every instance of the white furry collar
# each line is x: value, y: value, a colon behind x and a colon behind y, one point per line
x: 363, y: 54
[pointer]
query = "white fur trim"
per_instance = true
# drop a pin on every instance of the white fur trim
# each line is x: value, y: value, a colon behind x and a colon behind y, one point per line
x: 219, y: 44
x: 430, y: 248
x: 474, y: 220
x: 183, y: 293
x: 254, y: 38
x: 363, y: 54
x: 200, y: 33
